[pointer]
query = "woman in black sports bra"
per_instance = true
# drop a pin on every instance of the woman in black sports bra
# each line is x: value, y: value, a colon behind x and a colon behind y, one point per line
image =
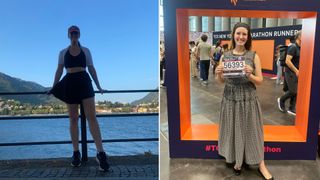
x: 76, y: 88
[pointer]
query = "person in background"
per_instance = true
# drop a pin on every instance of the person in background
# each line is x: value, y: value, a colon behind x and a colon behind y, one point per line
x: 193, y: 59
x: 205, y: 53
x: 279, y: 67
x: 162, y: 64
x: 285, y: 85
x: 198, y: 59
x: 291, y: 75
x: 217, y: 54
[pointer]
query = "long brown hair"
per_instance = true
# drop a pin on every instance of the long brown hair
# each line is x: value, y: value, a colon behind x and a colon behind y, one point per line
x: 248, y: 44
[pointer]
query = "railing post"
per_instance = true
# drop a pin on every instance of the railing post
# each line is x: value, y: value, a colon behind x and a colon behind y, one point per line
x: 84, y: 146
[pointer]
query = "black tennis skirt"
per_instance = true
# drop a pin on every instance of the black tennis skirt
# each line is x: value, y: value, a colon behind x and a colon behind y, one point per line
x: 73, y: 88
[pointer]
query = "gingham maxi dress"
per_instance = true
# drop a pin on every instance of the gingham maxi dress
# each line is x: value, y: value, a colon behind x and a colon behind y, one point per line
x: 241, y: 125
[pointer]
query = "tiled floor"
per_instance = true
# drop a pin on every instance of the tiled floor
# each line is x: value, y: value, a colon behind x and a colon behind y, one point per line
x: 123, y: 167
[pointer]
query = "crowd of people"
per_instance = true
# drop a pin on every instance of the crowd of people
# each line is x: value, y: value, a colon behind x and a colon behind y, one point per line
x: 203, y: 56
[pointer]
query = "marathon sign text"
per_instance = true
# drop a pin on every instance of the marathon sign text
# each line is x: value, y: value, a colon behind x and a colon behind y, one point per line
x: 263, y: 33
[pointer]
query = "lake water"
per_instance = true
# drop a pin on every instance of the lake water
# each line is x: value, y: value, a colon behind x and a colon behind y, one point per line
x: 58, y: 130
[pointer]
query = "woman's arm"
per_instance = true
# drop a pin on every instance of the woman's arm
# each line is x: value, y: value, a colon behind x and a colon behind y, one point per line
x: 92, y: 70
x: 211, y: 52
x: 58, y: 74
x: 94, y: 76
x: 219, y: 71
x: 59, y: 70
x: 257, y: 78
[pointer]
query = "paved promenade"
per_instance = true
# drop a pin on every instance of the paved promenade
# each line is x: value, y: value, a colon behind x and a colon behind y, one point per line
x: 123, y: 167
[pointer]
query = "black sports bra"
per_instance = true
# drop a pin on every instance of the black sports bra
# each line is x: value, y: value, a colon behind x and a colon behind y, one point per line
x: 74, y: 61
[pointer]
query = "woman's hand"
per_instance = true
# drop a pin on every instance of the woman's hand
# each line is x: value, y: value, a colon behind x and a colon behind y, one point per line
x: 48, y: 92
x: 100, y: 90
x: 248, y: 70
x: 219, y: 69
x: 218, y: 72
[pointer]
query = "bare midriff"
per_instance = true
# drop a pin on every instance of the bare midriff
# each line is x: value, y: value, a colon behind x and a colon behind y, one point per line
x: 75, y: 69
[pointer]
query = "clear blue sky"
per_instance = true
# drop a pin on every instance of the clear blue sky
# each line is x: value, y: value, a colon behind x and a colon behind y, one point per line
x: 122, y: 36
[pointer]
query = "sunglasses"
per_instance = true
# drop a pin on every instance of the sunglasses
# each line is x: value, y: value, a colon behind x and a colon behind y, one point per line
x: 74, y: 33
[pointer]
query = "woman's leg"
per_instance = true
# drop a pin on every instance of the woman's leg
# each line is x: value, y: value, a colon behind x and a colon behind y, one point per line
x: 90, y: 112
x: 74, y: 129
x: 264, y: 170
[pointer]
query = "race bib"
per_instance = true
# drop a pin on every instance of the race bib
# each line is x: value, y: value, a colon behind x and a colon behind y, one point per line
x: 233, y: 67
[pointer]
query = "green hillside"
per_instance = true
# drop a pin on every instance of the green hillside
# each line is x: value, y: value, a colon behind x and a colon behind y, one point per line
x: 11, y: 84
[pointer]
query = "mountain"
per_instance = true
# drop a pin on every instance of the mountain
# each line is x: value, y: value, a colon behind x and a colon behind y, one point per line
x: 12, y: 84
x: 152, y: 97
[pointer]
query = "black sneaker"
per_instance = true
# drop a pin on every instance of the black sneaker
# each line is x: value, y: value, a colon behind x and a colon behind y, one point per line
x: 76, y: 159
x: 102, y: 160
x: 281, y: 105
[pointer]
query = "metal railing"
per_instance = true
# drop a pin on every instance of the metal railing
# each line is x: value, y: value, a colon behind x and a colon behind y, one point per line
x: 84, y: 141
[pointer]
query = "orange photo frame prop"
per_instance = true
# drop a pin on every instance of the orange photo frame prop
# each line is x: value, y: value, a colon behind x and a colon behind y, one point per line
x: 272, y: 133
